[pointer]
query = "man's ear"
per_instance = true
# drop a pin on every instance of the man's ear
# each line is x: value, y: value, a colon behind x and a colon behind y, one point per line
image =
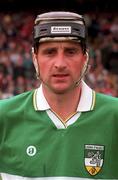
x: 87, y: 64
x: 85, y: 67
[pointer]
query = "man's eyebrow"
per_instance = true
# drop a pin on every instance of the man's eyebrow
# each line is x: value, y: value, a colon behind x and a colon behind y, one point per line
x: 72, y: 48
x: 48, y: 49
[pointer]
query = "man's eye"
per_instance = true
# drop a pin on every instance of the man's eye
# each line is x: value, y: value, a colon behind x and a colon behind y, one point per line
x: 49, y: 52
x: 71, y: 51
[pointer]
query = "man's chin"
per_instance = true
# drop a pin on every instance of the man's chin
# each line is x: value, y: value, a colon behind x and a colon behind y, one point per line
x: 59, y: 90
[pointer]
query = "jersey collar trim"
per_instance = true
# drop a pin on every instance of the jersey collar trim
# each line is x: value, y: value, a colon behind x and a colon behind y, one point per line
x: 39, y: 101
x: 87, y: 100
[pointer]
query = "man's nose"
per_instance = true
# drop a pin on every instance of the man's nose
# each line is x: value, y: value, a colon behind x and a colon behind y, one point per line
x: 60, y: 61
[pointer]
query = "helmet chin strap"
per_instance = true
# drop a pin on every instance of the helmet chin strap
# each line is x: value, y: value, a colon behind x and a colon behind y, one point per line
x: 35, y: 64
x: 84, y: 71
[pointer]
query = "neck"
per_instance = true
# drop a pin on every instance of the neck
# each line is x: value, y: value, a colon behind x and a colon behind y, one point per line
x: 64, y: 105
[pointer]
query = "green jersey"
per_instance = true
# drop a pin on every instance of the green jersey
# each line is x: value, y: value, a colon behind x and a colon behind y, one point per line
x: 36, y: 145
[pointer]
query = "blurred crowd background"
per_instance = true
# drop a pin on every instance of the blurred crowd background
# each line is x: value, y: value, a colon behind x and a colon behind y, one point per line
x: 17, y: 72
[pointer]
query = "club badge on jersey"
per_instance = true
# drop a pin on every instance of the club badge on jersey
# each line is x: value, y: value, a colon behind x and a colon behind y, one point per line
x: 93, y: 158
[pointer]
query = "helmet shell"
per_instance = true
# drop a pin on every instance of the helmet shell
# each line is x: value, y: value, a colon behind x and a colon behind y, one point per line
x: 62, y: 25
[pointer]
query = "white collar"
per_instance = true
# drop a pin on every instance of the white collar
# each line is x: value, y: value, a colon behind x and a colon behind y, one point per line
x: 86, y: 103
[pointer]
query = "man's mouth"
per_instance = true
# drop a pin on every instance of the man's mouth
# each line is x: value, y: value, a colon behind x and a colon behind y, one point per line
x: 60, y: 76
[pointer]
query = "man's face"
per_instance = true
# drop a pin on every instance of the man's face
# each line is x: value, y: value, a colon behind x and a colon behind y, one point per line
x: 60, y: 65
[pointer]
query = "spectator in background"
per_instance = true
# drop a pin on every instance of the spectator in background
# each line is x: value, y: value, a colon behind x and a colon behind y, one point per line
x: 15, y: 54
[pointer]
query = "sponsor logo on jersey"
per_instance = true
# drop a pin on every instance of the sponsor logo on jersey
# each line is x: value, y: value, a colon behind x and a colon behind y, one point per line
x: 31, y: 150
x: 61, y: 29
x: 93, y: 158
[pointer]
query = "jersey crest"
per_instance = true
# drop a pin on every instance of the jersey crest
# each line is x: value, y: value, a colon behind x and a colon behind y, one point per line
x: 93, y: 158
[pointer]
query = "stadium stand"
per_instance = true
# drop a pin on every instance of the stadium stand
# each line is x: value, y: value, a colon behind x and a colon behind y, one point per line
x: 17, y: 72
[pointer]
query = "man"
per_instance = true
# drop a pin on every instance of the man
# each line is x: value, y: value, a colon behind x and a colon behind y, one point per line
x: 63, y: 130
